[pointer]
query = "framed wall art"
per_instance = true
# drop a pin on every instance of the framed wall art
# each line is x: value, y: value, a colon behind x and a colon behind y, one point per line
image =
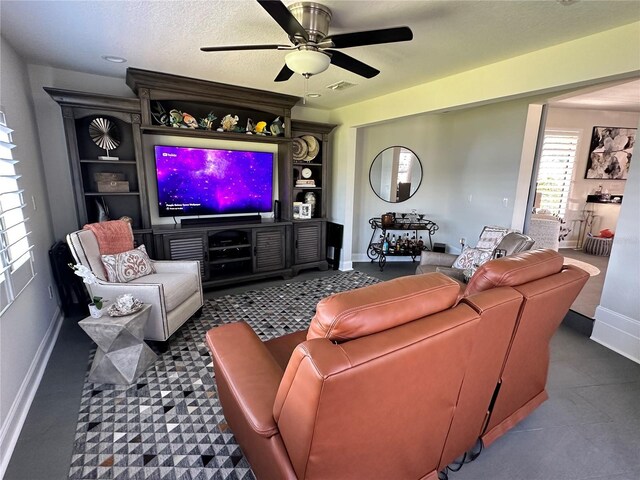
x: 610, y: 153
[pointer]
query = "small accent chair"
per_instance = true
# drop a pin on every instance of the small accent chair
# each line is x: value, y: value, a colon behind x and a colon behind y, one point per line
x: 545, y: 230
x: 174, y: 290
x: 510, y: 244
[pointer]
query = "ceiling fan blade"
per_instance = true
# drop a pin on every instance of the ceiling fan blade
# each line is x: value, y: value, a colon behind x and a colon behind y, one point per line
x: 343, y: 60
x: 285, y: 19
x: 229, y: 48
x: 370, y: 37
x: 284, y: 75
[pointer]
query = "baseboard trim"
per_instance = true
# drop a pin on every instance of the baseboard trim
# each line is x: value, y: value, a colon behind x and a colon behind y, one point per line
x: 578, y: 322
x: 617, y: 332
x: 18, y: 413
x: 346, y: 266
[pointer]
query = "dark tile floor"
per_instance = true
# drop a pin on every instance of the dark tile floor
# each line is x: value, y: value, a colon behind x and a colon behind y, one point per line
x: 588, y: 429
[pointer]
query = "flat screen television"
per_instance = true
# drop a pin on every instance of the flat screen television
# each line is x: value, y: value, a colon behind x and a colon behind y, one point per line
x: 205, y: 181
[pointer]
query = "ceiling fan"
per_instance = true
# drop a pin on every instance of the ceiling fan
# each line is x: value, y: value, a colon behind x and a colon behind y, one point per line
x: 312, y: 50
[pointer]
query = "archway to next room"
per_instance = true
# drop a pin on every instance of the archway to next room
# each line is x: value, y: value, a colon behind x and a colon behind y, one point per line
x: 580, y: 171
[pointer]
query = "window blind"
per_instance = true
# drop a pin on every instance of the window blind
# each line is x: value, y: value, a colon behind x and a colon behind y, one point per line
x: 556, y: 170
x: 16, y: 250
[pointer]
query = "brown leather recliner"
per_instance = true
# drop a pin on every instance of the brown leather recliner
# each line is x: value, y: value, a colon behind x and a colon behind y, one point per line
x: 511, y: 370
x: 391, y: 381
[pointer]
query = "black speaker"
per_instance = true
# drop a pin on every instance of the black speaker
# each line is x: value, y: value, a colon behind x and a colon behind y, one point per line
x: 277, y: 211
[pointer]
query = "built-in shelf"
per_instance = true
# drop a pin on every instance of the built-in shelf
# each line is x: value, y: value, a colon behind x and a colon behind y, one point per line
x: 117, y: 162
x: 229, y: 260
x: 190, y: 132
x: 228, y: 247
x: 109, y: 194
x: 613, y: 199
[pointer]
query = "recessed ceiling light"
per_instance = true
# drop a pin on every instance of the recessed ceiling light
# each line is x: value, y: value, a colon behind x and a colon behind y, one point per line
x: 113, y: 59
x: 341, y: 85
x: 313, y: 95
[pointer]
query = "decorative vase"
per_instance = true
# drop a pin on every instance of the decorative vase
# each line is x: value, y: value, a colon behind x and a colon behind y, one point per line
x: 310, y: 198
x: 94, y: 311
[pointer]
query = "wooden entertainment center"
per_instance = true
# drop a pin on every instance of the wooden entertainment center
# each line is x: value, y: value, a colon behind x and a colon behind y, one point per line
x: 229, y: 249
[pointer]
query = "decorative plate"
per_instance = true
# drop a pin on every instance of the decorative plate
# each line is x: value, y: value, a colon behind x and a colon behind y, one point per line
x: 313, y: 147
x: 300, y: 149
x: 114, y: 311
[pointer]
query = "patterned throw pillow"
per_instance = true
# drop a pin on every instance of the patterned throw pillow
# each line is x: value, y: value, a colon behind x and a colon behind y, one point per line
x: 470, y: 258
x: 465, y: 259
x: 490, y: 237
x: 481, y: 256
x: 126, y: 266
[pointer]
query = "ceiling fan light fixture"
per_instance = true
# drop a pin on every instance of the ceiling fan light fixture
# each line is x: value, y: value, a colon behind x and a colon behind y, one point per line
x: 307, y: 62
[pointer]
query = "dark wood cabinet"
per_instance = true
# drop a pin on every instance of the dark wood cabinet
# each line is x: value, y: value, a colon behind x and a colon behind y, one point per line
x: 269, y: 249
x: 228, y: 253
x: 309, y: 235
x: 309, y: 245
x: 185, y: 246
x: 317, y: 168
x: 78, y: 111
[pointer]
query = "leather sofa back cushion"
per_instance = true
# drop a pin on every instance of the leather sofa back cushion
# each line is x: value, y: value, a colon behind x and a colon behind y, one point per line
x: 372, y: 309
x: 515, y: 270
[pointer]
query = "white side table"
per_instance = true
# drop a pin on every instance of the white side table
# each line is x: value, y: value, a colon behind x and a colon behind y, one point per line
x: 122, y: 355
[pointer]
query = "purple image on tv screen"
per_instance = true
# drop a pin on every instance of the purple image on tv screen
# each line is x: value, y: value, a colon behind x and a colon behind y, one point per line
x: 201, y: 181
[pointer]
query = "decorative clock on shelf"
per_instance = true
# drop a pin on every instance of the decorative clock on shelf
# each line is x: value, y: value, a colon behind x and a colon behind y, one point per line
x: 306, y: 173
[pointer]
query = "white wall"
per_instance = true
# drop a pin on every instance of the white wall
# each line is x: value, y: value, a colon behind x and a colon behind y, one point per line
x: 470, y: 160
x: 584, y: 120
x: 617, y: 324
x: 551, y: 69
x: 29, y: 326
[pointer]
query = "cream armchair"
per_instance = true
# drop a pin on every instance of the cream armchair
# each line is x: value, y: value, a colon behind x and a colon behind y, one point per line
x: 174, y: 291
x: 545, y: 230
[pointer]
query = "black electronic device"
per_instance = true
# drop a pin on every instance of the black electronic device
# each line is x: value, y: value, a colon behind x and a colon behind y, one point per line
x: 199, y: 222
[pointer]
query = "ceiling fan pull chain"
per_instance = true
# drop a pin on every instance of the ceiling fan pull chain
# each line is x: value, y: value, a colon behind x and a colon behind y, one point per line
x: 306, y: 89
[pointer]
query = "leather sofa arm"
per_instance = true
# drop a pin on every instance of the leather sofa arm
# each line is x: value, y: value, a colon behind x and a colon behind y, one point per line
x: 251, y: 372
x: 437, y: 258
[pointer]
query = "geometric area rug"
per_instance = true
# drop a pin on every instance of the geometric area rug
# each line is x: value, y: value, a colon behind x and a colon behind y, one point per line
x: 169, y: 424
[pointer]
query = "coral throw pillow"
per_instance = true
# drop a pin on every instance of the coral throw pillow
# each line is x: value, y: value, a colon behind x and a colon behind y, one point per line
x: 114, y: 236
x: 126, y: 266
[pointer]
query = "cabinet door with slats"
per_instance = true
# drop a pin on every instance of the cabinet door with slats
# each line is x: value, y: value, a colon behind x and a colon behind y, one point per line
x: 308, y: 242
x: 269, y: 249
x: 191, y: 247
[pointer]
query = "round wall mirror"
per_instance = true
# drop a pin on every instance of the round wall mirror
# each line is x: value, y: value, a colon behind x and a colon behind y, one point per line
x: 395, y: 174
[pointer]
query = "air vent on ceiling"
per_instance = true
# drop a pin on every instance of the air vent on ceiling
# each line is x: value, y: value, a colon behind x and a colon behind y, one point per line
x: 341, y: 85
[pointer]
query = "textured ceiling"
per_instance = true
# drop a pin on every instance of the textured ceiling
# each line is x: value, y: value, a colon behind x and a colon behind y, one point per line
x: 449, y: 37
x: 625, y: 97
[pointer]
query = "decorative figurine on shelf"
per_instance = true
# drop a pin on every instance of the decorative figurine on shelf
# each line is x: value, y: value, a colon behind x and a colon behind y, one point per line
x: 250, y: 127
x: 189, y: 120
x: 175, y: 118
x: 104, y: 134
x: 159, y: 114
x: 228, y: 123
x: 260, y: 128
x: 310, y: 198
x: 277, y: 127
x: 207, y: 122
